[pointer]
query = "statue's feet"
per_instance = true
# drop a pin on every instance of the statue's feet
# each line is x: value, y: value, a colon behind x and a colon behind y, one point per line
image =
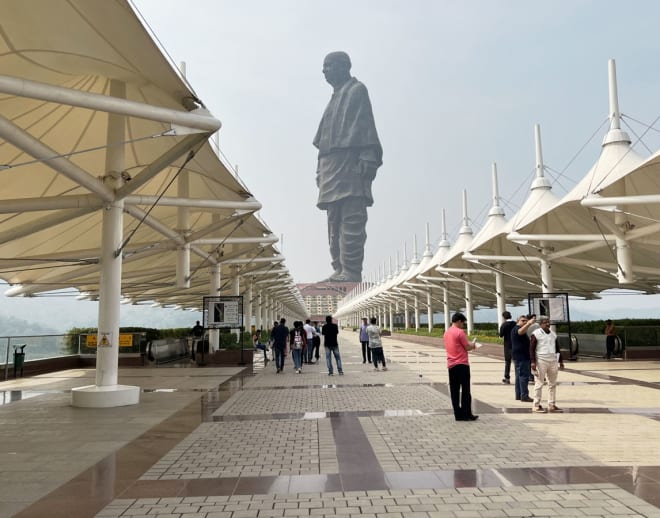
x: 335, y: 277
x: 339, y: 276
x: 351, y: 277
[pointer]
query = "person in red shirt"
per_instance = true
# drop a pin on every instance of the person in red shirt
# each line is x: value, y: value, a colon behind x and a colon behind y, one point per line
x: 457, y: 347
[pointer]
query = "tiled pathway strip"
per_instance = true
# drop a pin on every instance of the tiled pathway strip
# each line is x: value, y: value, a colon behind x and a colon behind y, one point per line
x: 496, y: 502
x: 498, y: 441
x: 334, y: 399
x: 281, y: 435
x: 250, y: 449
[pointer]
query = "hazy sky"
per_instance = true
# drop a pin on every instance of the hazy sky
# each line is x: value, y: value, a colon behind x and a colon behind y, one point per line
x: 454, y: 86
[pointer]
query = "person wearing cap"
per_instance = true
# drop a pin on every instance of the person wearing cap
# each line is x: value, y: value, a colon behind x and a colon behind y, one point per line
x: 458, y: 365
x: 546, y: 361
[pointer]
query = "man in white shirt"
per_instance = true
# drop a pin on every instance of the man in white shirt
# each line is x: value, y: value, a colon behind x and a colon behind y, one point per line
x: 546, y: 361
x: 311, y: 333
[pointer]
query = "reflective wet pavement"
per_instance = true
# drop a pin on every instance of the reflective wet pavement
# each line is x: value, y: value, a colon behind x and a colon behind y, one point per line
x: 380, y: 439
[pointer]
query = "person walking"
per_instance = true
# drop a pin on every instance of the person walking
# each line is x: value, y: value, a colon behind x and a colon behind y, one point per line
x: 316, y: 341
x: 298, y: 341
x: 521, y: 358
x: 197, y: 334
x: 310, y: 333
x: 271, y: 342
x: 458, y: 365
x: 330, y: 331
x: 364, y: 341
x: 280, y: 336
x: 610, y: 337
x: 375, y: 344
x: 546, y: 362
x: 256, y: 340
x: 505, y: 333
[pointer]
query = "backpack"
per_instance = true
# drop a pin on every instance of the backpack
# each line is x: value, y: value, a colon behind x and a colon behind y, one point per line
x: 297, y: 340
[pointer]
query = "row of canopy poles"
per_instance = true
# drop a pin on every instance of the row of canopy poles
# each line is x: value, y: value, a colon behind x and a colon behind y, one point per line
x: 111, y: 185
x: 603, y: 234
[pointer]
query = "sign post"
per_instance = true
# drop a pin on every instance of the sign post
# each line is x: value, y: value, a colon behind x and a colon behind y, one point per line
x: 224, y: 312
x: 554, y: 306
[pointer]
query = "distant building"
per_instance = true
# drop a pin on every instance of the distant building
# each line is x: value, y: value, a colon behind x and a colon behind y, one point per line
x: 321, y: 298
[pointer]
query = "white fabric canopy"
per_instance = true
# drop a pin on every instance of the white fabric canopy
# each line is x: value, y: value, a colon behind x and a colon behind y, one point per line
x: 69, y: 68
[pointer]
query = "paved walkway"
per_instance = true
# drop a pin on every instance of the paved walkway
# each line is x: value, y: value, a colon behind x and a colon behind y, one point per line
x: 221, y: 442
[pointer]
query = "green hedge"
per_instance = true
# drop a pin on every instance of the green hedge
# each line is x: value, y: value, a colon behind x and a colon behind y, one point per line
x: 489, y: 332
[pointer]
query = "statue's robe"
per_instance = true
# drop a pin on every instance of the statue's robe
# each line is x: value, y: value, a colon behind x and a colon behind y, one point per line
x: 346, y: 136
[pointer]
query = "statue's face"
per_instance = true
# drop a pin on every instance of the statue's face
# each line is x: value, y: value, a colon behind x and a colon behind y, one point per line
x: 335, y: 70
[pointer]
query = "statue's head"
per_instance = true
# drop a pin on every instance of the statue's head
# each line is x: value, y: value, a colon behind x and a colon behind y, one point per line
x: 337, y: 68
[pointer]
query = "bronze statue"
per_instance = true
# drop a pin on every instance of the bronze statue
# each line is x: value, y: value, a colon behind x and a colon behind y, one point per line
x: 349, y: 155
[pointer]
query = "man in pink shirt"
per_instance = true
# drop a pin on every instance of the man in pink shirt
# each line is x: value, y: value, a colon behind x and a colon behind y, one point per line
x: 457, y: 347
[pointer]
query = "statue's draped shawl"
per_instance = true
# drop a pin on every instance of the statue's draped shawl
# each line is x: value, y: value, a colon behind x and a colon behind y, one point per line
x: 346, y: 135
x: 348, y: 121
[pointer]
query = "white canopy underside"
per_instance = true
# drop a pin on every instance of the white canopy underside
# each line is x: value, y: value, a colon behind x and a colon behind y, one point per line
x: 578, y: 241
x: 55, y: 151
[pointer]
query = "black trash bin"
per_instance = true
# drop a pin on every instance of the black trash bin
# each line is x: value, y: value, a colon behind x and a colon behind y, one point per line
x: 19, y: 358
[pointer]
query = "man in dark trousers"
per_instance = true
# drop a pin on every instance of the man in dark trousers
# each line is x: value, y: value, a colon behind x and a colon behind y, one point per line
x: 280, y: 336
x: 330, y: 332
x: 197, y: 334
x: 521, y: 357
x: 505, y: 333
x: 458, y: 365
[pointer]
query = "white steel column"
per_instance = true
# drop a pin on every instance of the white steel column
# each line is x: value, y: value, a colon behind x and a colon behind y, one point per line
x: 416, y: 307
x: 468, y: 306
x: 396, y: 308
x: 445, y: 304
x: 429, y: 310
x: 499, y: 290
x: 624, y: 257
x: 248, y: 312
x: 406, y: 315
x: 236, y: 290
x: 546, y: 269
x: 183, y: 224
x: 391, y: 319
x: 259, y: 312
x: 266, y: 320
x: 214, y: 291
x: 106, y: 393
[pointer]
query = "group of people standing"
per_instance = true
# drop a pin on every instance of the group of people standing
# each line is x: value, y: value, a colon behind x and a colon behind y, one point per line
x: 534, y: 349
x: 372, y: 344
x: 532, y: 346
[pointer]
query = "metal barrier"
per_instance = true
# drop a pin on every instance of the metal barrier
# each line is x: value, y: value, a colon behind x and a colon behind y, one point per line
x: 167, y: 350
x: 41, y: 347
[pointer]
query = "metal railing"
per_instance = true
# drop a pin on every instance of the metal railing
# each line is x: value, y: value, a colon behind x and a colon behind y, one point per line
x: 43, y: 347
x: 37, y: 347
